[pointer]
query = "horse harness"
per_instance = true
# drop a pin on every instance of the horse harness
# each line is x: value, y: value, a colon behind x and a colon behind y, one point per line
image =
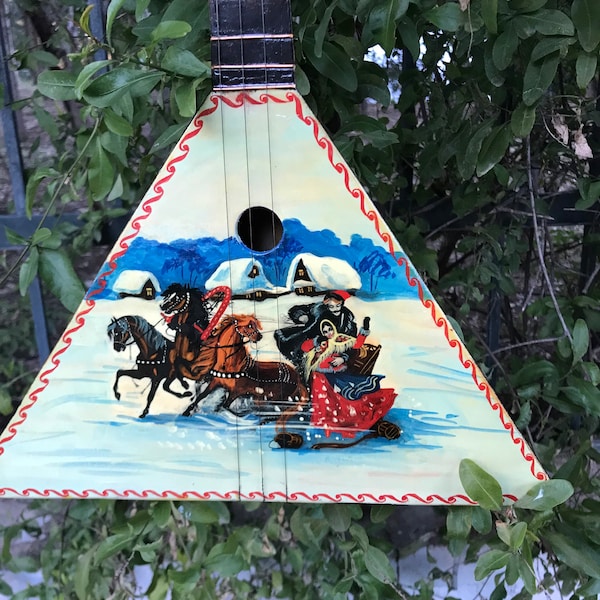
x: 284, y: 374
x: 131, y: 341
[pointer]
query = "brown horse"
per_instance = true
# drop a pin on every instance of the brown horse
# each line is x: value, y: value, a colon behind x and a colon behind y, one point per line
x: 273, y: 386
x: 186, y: 311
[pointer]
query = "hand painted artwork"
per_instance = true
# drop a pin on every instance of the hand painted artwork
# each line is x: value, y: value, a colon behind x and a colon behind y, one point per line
x: 258, y: 333
x: 320, y: 368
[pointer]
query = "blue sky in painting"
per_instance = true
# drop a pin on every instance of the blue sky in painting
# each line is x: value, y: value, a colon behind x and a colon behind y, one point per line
x: 194, y: 261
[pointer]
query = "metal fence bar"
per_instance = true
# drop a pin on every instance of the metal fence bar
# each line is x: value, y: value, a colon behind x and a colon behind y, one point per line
x: 15, y: 167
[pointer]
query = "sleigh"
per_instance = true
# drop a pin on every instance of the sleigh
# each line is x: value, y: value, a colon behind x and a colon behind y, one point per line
x: 362, y: 360
x: 336, y: 414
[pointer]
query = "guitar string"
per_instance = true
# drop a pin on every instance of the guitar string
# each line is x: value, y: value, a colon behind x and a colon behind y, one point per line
x: 222, y: 108
x: 249, y: 195
x: 277, y: 248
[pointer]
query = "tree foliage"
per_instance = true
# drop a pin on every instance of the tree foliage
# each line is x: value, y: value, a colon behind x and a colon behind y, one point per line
x: 492, y: 127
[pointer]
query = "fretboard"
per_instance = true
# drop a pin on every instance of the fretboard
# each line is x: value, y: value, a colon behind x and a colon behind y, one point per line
x: 252, y: 45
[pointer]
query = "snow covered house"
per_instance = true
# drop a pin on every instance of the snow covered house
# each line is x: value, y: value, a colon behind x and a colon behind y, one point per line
x: 139, y: 284
x: 246, y: 278
x: 310, y: 275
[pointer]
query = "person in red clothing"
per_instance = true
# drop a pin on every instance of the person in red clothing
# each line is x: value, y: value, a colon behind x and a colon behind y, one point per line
x: 328, y: 353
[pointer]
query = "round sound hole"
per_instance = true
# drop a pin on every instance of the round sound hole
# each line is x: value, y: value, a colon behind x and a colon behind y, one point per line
x: 259, y: 229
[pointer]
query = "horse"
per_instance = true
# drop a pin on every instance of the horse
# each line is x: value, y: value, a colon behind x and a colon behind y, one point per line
x: 270, y: 384
x: 186, y: 311
x: 153, y: 360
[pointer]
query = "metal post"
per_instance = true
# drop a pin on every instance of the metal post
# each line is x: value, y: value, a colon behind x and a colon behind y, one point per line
x: 15, y: 166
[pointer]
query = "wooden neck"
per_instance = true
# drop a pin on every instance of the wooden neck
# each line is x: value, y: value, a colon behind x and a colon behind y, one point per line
x: 252, y: 45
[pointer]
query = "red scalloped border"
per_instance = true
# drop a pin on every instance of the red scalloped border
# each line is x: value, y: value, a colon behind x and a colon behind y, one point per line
x: 178, y: 155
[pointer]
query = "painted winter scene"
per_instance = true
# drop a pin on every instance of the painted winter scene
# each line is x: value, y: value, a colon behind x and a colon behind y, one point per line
x: 203, y: 365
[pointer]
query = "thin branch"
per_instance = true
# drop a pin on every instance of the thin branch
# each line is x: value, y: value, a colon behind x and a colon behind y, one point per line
x: 588, y: 283
x: 538, y: 244
x: 529, y: 343
x: 51, y: 203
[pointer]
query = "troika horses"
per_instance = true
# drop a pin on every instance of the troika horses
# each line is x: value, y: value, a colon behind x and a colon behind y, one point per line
x: 186, y: 311
x: 153, y: 360
x: 275, y: 387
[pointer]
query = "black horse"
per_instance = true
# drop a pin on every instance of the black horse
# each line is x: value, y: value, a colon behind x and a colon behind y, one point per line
x: 153, y: 361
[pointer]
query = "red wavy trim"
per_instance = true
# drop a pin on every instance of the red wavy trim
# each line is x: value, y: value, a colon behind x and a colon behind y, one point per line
x: 180, y: 153
x: 235, y: 495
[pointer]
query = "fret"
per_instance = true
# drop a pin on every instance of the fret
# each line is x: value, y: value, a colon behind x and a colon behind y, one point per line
x: 252, y: 44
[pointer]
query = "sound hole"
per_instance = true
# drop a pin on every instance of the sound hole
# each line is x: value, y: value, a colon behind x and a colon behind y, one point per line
x: 259, y: 229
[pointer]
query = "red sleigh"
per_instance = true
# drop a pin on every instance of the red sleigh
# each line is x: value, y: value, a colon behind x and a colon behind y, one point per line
x: 336, y: 414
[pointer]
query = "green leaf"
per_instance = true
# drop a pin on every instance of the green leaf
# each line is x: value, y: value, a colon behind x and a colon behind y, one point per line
x: 491, y: 561
x: 480, y: 485
x: 185, y: 98
x: 33, y: 184
x: 525, y: 566
x: 161, y: 513
x: 359, y: 534
x: 338, y: 516
x: 526, y: 5
x: 28, y: 270
x: 522, y: 120
x: 59, y: 276
x: 581, y: 339
x: 504, y: 48
x: 169, y: 136
x: 410, y: 36
x: 378, y: 565
x: 183, y: 62
x: 458, y: 521
x: 539, y: 75
x: 494, y: 74
x: 583, y: 394
x: 100, y: 173
x: 493, y: 149
x: 117, y: 124
x: 58, y: 85
x: 321, y: 30
x: 589, y: 191
x: 570, y: 547
x: 302, y: 82
x: 82, y: 574
x: 201, y: 512
x: 112, y: 545
x: 585, y: 68
x: 448, y: 17
x: 381, y: 512
x: 111, y: 14
x: 512, y: 535
x: 381, y: 23
x: 550, y: 22
x: 467, y: 160
x: 334, y: 63
x: 221, y: 561
x: 489, y: 12
x: 109, y: 87
x: 546, y: 495
x: 84, y: 19
x: 170, y: 30
x: 550, y: 45
x: 586, y: 16
x: 6, y: 407
x: 86, y: 75
x: 481, y: 519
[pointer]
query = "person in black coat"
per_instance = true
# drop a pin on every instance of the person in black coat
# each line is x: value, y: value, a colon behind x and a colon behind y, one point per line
x: 307, y: 319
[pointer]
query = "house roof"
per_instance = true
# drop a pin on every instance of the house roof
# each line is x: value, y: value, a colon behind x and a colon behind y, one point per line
x: 131, y: 281
x: 326, y: 272
x: 234, y: 273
